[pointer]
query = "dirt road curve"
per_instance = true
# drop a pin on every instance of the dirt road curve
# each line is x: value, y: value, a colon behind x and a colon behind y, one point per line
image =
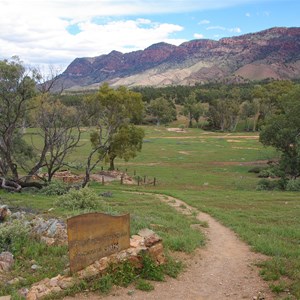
x: 224, y: 269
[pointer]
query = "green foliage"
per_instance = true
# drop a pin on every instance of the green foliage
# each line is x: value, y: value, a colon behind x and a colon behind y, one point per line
x: 150, y: 269
x: 104, y: 284
x: 293, y: 185
x: 13, y: 235
x: 192, y: 109
x: 17, y: 88
x: 268, y: 173
x: 83, y: 198
x: 173, y: 267
x: 126, y: 142
x: 162, y: 109
x: 55, y: 188
x: 269, y: 185
x: 257, y: 169
x: 278, y: 288
x: 282, y: 132
x: 123, y: 274
x: 110, y: 110
x: 144, y: 285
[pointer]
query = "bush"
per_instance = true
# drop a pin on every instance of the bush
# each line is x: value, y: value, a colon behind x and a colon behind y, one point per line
x: 256, y: 169
x: 78, y: 199
x: 268, y: 173
x: 144, y: 285
x: 13, y: 235
x: 55, y: 187
x: 293, y: 185
x: 270, y: 185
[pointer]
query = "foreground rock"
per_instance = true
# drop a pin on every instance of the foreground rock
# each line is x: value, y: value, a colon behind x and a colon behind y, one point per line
x: 146, y: 241
x: 6, y: 261
x: 4, y: 212
x: 51, y: 232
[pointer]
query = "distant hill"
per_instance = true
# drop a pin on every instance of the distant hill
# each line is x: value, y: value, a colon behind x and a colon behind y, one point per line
x: 272, y: 53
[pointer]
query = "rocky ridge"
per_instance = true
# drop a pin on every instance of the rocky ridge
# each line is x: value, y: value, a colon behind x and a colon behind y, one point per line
x: 272, y: 53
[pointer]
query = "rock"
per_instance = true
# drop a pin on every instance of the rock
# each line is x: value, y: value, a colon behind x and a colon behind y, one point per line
x: 146, y: 232
x: 52, y: 228
x: 157, y: 253
x: 66, y: 282
x: 23, y: 292
x: 18, y: 215
x: 6, y: 261
x: 4, y: 212
x: 35, y: 267
x: 31, y: 296
x: 102, y: 264
x: 136, y: 241
x: 15, y: 280
x: 48, y: 241
x: 52, y: 231
x: 5, y: 297
x: 152, y: 240
x: 88, y: 272
x: 150, y: 237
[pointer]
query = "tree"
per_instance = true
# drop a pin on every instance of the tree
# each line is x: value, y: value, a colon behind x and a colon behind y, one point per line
x: 108, y: 111
x: 282, y: 131
x: 125, y: 144
x: 17, y: 87
x: 59, y: 128
x: 266, y: 99
x: 193, y: 109
x: 162, y: 110
x: 247, y: 112
x: 20, y: 100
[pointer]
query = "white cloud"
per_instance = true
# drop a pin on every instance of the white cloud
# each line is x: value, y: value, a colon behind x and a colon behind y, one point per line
x: 40, y: 42
x: 39, y: 31
x: 248, y: 15
x: 216, y: 28
x: 204, y: 22
x: 198, y: 36
x: 222, y: 28
x: 235, y: 30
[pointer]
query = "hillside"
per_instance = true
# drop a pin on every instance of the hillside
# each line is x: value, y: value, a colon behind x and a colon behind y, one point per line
x: 272, y: 53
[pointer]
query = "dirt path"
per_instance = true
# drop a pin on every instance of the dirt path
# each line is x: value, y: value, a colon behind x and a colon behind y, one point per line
x: 224, y: 269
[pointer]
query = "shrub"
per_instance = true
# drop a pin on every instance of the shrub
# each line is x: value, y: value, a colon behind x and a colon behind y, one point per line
x: 144, y: 285
x: 268, y: 173
x: 55, y: 187
x: 270, y: 185
x: 78, y: 199
x: 13, y: 235
x: 293, y: 185
x: 256, y: 169
x: 150, y: 270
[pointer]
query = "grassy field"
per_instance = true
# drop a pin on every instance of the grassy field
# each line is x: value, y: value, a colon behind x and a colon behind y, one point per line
x: 209, y: 171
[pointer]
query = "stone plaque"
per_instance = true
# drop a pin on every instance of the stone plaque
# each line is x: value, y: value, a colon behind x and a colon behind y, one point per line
x: 95, y: 235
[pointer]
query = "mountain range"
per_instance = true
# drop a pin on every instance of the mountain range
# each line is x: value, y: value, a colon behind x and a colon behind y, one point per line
x: 272, y: 53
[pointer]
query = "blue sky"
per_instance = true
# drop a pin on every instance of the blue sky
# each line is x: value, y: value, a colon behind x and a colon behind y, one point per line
x: 44, y: 32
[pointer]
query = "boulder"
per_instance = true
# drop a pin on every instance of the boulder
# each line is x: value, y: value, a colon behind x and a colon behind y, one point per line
x: 6, y: 261
x: 4, y: 212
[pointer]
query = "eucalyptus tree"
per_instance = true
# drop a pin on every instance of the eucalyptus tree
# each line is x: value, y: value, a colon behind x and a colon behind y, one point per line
x: 108, y: 111
x: 17, y: 87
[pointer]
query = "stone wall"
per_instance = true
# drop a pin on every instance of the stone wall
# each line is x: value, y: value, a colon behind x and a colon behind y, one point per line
x: 146, y: 241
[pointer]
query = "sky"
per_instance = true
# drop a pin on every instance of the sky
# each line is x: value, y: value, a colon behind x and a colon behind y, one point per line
x: 51, y: 34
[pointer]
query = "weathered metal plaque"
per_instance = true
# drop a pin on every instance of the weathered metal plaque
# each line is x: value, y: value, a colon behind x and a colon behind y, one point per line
x: 95, y: 235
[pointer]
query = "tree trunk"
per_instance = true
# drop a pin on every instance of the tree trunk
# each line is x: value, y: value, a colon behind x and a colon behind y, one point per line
x: 9, y: 185
x: 112, y: 163
x: 86, y: 179
x: 255, y: 121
